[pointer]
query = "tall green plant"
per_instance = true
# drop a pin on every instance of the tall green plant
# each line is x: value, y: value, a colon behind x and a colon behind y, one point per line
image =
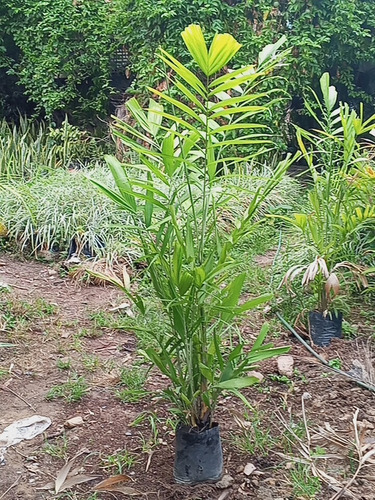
x: 175, y: 198
x: 340, y: 205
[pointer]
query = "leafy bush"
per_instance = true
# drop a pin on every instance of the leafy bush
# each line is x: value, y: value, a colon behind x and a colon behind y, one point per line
x: 329, y: 35
x: 61, y: 52
x: 30, y: 149
x: 63, y: 206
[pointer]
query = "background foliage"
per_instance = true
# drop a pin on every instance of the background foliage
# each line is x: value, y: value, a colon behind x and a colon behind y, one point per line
x: 60, y: 54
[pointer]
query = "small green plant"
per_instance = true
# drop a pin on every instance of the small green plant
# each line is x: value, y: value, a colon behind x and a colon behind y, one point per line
x: 305, y: 485
x: 3, y: 372
x: 133, y: 379
x: 349, y: 331
x: 337, y: 210
x: 282, y: 379
x: 91, y: 362
x: 72, y: 391
x: 77, y: 344
x: 59, y: 449
x: 119, y: 462
x: 64, y: 364
x: 335, y: 363
x: 255, y: 437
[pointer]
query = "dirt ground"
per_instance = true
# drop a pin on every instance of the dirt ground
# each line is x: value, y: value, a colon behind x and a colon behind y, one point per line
x: 283, y: 460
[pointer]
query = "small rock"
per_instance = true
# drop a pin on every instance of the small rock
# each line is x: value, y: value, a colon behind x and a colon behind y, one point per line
x: 225, y: 482
x: 52, y: 272
x: 73, y: 422
x: 249, y: 469
x: 285, y: 365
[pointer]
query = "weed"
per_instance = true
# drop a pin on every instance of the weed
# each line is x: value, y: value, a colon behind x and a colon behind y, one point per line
x: 255, y: 438
x: 335, y: 363
x: 119, y: 461
x: 282, y: 379
x: 131, y: 395
x: 3, y: 373
x: 58, y: 450
x: 90, y: 362
x: 293, y: 432
x: 301, y: 376
x: 63, y: 364
x: 89, y: 333
x: 133, y: 379
x: 72, y: 391
x: 349, y: 331
x: 305, y: 485
x: 76, y: 344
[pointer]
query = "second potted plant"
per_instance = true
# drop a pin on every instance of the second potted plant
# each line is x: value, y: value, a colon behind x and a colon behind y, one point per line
x: 336, y: 210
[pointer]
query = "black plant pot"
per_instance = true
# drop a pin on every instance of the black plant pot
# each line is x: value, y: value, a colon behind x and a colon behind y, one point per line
x: 324, y: 328
x: 199, y: 456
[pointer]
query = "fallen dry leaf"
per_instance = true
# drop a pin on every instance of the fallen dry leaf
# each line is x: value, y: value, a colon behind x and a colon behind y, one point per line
x: 112, y: 481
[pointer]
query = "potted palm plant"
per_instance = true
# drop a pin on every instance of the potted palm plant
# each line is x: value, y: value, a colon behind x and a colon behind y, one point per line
x: 339, y: 208
x: 186, y: 145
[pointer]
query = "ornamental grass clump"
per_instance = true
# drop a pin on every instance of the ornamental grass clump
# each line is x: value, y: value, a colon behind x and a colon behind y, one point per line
x: 186, y: 144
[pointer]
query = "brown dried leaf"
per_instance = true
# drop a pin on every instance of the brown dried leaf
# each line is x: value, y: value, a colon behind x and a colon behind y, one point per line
x: 62, y: 475
x: 333, y: 284
x: 111, y: 481
x: 74, y: 480
x: 126, y: 278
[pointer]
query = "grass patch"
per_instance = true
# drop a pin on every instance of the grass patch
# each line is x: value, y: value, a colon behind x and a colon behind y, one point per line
x: 71, y: 391
x: 133, y: 381
x: 119, y: 462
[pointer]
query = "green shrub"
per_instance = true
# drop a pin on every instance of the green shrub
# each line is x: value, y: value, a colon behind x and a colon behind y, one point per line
x: 63, y: 206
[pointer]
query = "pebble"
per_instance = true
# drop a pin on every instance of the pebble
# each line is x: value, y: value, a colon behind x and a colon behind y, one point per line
x: 225, y: 482
x: 73, y: 422
x: 285, y: 365
x: 249, y: 469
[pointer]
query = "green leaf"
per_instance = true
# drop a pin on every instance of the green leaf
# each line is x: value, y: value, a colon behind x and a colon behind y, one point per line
x: 185, y: 282
x: 223, y: 48
x: 253, y: 303
x: 260, y: 355
x: 183, y: 72
x: 237, y: 383
x: 196, y: 45
x: 178, y: 104
x: 261, y: 337
x: 168, y: 155
x: 121, y: 181
x: 206, y: 372
x: 199, y: 276
x: 136, y: 110
x: 154, y: 119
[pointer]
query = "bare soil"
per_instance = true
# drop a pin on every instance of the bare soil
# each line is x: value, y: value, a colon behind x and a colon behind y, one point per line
x: 70, y: 333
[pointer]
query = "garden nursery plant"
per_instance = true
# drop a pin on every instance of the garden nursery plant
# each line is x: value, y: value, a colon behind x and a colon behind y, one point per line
x: 334, y: 230
x: 186, y: 142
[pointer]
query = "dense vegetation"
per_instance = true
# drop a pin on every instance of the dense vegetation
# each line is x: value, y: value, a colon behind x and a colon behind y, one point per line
x: 64, y: 56
x: 187, y: 206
